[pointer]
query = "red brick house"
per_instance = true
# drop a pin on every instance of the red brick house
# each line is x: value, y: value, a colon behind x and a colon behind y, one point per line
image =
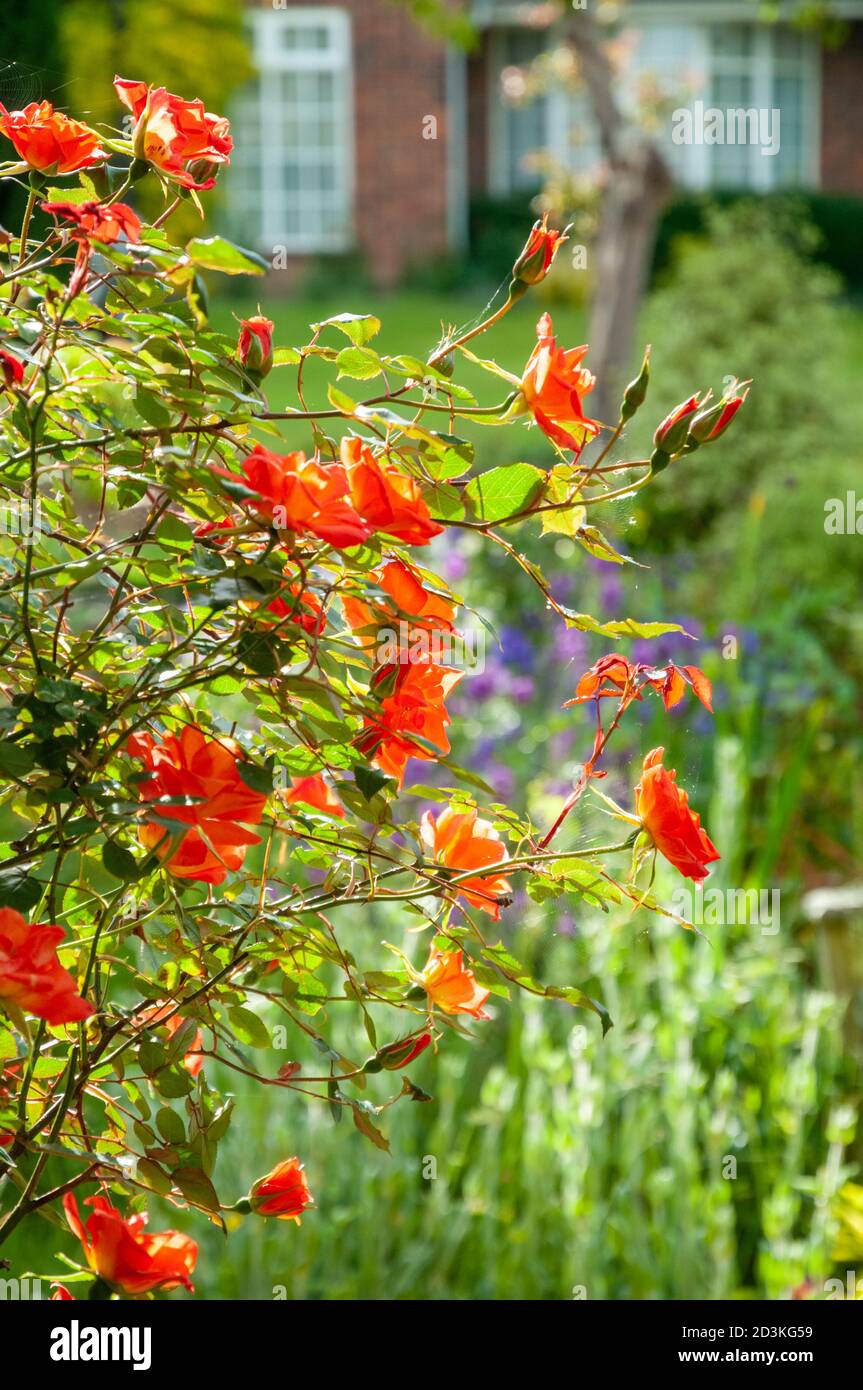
x: 362, y: 134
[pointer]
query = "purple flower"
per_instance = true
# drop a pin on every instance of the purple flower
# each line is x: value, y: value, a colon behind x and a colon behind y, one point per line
x: 518, y: 650
x: 571, y: 645
x: 611, y: 591
x: 501, y: 779
x: 485, y: 685
x: 453, y: 565
x: 522, y: 689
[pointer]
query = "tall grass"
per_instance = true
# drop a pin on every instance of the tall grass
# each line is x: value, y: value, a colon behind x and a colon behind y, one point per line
x: 691, y: 1154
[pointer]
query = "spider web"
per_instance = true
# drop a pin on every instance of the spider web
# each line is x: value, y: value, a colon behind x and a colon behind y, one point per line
x: 20, y: 84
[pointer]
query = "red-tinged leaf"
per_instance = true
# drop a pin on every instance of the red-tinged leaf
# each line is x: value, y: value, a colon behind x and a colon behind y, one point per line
x: 674, y: 688
x: 701, y: 685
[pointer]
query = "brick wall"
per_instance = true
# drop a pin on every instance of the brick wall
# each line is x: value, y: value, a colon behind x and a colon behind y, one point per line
x: 842, y: 116
x: 400, y: 200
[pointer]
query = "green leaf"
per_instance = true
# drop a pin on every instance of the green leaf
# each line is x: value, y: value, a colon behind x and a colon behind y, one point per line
x: 153, y: 1176
x: 257, y: 776
x: 151, y: 1057
x: 362, y: 363
x: 215, y: 253
x: 599, y: 545
x: 504, y: 492
x: 196, y: 1188
x: 360, y: 328
x: 260, y: 652
x: 249, y: 1028
x: 173, y: 1082
x: 15, y: 761
x: 19, y: 890
x: 286, y: 357
x: 170, y: 1126
x: 121, y: 862
x: 151, y: 409
x: 623, y: 627
x: 340, y: 400
x: 370, y: 781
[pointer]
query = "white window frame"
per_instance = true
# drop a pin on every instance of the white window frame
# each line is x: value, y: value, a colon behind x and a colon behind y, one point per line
x: 273, y: 60
x: 696, y: 172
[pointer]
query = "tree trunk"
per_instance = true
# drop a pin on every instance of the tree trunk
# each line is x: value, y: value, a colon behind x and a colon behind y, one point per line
x: 637, y: 189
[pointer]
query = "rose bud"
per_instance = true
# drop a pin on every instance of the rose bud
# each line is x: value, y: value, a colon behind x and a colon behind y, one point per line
x: 710, y: 424
x: 255, y: 345
x: 636, y: 392
x: 283, y: 1193
x: 671, y: 434
x: 398, y: 1054
x: 539, y: 252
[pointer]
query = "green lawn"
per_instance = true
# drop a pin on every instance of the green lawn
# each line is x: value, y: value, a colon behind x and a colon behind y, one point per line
x: 411, y: 323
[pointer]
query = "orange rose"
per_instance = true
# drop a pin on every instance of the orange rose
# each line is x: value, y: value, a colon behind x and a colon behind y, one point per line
x: 539, y: 252
x: 451, y: 987
x: 553, y: 386
x: 676, y: 831
x: 283, y: 1193
x: 178, y: 137
x: 255, y: 344
x: 387, y: 498
x: 413, y: 707
x: 97, y: 221
x: 193, y: 1058
x: 49, y: 141
x: 31, y: 976
x: 313, y: 791
x: 403, y: 585
x: 460, y: 841
x: 302, y: 495
x: 303, y: 608
x: 121, y: 1252
x: 192, y: 765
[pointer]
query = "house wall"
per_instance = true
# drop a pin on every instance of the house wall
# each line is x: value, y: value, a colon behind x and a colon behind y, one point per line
x: 400, y: 200
x: 842, y: 116
x: 479, y: 77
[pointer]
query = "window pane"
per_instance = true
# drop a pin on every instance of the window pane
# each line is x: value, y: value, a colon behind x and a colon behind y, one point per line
x: 788, y: 163
x: 291, y: 160
x: 524, y: 122
x: 733, y: 40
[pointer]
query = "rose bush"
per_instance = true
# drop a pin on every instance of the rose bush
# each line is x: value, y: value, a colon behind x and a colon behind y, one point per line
x: 206, y: 723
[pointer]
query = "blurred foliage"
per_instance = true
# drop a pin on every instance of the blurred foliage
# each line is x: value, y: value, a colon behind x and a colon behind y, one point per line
x: 747, y: 292
x: 197, y: 48
x: 693, y: 1153
x: 30, y: 70
x: 837, y: 217
x: 442, y: 19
